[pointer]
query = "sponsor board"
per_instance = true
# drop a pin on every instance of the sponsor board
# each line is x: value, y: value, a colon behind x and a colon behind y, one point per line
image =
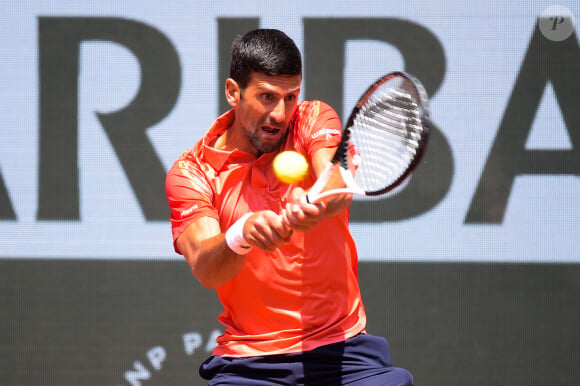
x: 99, y: 99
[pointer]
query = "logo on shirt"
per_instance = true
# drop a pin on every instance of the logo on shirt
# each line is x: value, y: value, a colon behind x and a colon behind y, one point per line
x: 327, y: 132
x: 189, y: 211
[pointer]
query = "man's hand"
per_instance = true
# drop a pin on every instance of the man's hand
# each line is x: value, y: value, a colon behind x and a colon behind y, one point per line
x: 299, y: 215
x: 266, y: 230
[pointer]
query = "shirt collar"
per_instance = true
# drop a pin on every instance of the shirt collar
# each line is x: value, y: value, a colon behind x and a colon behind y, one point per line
x: 218, y: 158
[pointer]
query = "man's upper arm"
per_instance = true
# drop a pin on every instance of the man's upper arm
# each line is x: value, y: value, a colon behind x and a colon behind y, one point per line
x: 319, y: 131
x: 321, y: 134
x: 190, y: 199
x: 190, y: 240
x: 320, y: 158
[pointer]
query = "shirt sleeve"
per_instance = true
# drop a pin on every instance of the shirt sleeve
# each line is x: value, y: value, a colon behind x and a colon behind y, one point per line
x: 317, y: 127
x: 189, y: 195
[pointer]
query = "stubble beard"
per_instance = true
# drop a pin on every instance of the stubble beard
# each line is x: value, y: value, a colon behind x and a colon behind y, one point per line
x: 262, y: 147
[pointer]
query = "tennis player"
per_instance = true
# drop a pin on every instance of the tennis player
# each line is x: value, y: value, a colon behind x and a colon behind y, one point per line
x: 293, y: 312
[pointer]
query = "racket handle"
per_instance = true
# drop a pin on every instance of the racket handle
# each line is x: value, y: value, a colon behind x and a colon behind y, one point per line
x: 333, y: 192
x: 315, y: 194
x: 320, y: 183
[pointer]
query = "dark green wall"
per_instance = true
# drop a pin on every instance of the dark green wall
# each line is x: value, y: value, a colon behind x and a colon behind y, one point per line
x: 87, y: 322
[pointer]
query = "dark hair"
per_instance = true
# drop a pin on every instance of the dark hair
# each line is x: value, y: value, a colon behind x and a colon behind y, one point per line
x: 268, y: 51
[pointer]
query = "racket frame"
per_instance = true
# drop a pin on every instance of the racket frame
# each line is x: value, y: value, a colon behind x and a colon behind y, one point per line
x: 341, y: 155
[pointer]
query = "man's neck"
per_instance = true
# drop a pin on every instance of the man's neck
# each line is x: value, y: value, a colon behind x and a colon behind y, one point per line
x: 233, y: 138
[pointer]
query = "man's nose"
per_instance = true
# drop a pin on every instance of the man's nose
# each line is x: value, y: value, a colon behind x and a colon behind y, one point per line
x: 278, y: 113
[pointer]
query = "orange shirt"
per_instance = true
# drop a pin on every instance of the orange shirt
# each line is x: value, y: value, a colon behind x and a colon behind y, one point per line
x: 299, y: 297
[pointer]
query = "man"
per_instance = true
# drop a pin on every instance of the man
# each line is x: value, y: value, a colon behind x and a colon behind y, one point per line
x: 285, y: 271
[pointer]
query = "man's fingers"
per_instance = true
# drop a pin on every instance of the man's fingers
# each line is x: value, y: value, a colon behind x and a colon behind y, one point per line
x: 303, y: 217
x: 267, y: 231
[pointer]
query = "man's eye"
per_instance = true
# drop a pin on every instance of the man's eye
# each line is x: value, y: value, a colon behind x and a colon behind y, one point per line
x: 290, y: 98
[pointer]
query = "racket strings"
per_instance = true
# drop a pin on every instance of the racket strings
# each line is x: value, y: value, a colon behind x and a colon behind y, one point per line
x: 387, y: 133
x: 394, y: 113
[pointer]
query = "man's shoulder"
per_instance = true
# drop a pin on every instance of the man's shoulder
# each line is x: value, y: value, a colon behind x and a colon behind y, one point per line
x: 309, y: 112
x: 189, y: 174
x: 187, y: 162
x: 316, y: 105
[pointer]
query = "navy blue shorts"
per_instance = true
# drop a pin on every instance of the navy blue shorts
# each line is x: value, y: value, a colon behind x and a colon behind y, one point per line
x: 363, y: 360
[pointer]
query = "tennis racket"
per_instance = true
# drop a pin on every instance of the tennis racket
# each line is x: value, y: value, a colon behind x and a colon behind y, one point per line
x: 382, y: 141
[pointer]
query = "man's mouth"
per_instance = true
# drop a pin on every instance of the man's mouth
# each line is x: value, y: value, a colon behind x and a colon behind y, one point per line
x: 270, y: 130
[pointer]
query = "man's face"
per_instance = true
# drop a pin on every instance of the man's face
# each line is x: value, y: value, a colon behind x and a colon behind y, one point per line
x: 265, y: 109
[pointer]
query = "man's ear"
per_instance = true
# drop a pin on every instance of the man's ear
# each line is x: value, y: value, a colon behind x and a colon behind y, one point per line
x: 232, y: 92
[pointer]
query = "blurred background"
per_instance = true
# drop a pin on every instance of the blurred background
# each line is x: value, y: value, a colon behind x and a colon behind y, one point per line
x: 471, y: 270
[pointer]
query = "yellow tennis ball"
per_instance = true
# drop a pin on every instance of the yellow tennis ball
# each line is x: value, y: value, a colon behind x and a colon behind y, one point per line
x: 290, y: 167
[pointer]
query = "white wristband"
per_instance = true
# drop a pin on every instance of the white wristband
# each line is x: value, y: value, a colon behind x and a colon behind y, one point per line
x: 235, y: 236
